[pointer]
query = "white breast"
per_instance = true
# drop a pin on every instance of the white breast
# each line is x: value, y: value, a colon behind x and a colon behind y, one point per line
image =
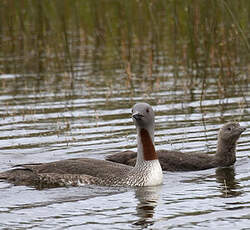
x: 155, y: 176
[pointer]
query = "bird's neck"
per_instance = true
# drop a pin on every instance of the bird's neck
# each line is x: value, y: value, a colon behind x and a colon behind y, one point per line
x: 145, y: 145
x: 225, y: 154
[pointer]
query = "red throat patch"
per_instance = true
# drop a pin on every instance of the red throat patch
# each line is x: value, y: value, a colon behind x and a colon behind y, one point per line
x: 148, y: 147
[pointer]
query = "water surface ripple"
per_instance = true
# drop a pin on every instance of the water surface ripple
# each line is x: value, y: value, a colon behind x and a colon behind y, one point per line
x: 57, y: 126
x: 70, y: 71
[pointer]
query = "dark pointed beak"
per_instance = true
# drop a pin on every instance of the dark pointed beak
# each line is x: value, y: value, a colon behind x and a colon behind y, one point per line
x: 242, y: 129
x: 137, y: 116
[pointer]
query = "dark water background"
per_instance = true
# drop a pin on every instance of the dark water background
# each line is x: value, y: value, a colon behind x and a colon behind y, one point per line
x: 70, y: 72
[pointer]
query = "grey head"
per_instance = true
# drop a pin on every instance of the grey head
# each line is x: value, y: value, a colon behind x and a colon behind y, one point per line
x: 231, y: 131
x: 143, y: 116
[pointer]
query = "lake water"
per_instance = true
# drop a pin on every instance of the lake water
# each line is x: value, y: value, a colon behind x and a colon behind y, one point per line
x: 66, y: 91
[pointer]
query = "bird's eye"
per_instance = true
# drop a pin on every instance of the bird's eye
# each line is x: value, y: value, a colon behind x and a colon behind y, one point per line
x: 147, y: 110
x: 229, y: 128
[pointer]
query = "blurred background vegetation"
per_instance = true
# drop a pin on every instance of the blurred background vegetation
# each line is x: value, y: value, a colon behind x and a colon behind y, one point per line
x: 135, y: 41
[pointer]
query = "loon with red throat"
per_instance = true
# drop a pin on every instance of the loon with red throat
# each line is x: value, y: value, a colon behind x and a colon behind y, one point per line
x: 81, y: 171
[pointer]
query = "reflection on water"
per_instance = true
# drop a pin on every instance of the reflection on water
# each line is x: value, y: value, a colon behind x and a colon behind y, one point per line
x: 145, y: 209
x: 70, y: 71
x: 229, y: 186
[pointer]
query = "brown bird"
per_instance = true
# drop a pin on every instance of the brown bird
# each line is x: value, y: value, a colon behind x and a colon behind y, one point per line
x: 180, y: 161
x: 81, y: 171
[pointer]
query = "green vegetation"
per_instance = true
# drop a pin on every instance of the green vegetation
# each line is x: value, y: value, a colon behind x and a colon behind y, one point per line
x: 192, y: 39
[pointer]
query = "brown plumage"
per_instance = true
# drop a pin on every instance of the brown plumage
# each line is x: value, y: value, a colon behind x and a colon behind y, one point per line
x: 180, y: 161
x: 81, y: 171
x: 65, y: 172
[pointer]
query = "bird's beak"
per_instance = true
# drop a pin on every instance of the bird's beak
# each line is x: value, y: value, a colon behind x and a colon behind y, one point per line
x: 242, y: 129
x: 137, y: 116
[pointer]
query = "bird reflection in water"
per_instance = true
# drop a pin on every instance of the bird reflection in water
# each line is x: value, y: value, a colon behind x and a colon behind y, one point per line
x: 229, y: 186
x: 147, y: 201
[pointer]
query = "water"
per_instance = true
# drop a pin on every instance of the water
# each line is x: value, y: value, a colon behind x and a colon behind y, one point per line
x: 59, y: 102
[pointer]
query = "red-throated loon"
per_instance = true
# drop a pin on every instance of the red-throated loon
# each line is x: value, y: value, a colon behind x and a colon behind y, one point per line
x: 179, y: 161
x: 80, y: 171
